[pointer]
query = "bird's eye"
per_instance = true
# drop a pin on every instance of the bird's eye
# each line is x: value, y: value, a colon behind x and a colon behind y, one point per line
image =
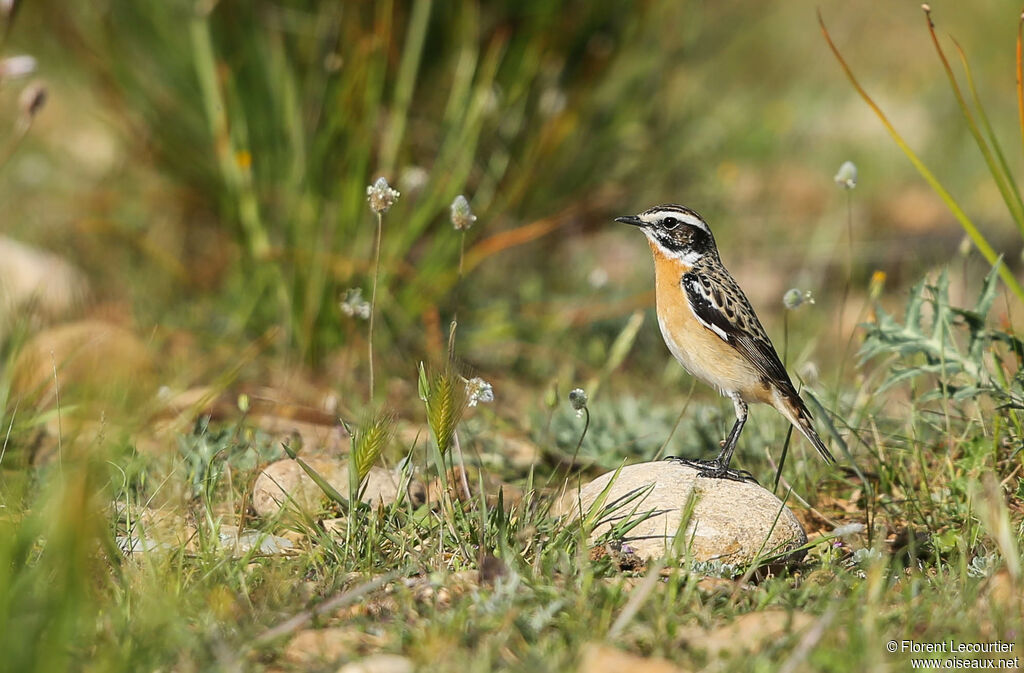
x: 670, y: 223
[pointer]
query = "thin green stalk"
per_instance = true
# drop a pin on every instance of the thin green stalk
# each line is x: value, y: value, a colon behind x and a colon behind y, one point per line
x: 1014, y: 205
x: 586, y: 426
x: 846, y: 295
x: 462, y: 253
x: 979, y: 240
x: 1020, y: 77
x: 317, y: 478
x: 411, y: 55
x: 1007, y: 173
x: 458, y: 298
x: 216, y: 115
x: 13, y: 143
x: 373, y: 294
x: 462, y: 465
x: 785, y: 338
x: 679, y: 419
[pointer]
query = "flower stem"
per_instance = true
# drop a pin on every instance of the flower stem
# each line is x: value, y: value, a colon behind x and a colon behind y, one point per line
x: 462, y: 252
x: 458, y: 295
x: 785, y: 338
x: 586, y: 426
x: 373, y: 295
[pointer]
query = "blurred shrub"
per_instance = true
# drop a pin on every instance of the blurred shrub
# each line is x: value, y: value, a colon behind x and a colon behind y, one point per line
x: 275, y: 115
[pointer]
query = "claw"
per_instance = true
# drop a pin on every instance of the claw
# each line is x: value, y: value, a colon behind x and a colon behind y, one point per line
x: 712, y: 469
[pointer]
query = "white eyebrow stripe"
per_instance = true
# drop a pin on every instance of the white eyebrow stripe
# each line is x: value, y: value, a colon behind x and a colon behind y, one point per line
x: 683, y: 215
x: 692, y: 220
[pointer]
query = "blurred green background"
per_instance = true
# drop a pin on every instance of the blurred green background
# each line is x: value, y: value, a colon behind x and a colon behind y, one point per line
x: 199, y: 172
x: 205, y: 165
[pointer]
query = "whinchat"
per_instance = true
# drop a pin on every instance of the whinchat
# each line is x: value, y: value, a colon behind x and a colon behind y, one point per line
x: 711, y: 329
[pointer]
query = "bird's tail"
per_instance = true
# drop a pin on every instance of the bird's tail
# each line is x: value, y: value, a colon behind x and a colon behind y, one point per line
x: 794, y: 409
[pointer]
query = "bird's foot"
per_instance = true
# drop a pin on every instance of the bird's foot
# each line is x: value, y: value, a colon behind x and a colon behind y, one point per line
x: 712, y: 469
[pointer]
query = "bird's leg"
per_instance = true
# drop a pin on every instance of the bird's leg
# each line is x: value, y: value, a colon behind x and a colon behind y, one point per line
x: 719, y: 467
x: 725, y: 457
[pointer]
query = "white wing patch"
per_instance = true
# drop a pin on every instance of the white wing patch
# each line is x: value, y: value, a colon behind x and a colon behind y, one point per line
x: 695, y: 287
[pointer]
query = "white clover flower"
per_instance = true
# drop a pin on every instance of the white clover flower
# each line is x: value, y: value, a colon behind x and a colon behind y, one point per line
x: 381, y: 195
x: 598, y: 277
x: 17, y: 66
x: 413, y: 178
x: 353, y: 305
x: 478, y: 390
x: 848, y: 529
x: 462, y: 216
x: 795, y: 298
x: 578, y: 399
x: 552, y: 102
x: 809, y: 371
x: 846, y: 177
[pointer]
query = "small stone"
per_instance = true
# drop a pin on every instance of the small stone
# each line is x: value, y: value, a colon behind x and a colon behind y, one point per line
x: 283, y: 483
x: 248, y: 540
x: 379, y: 663
x: 751, y: 632
x: 731, y: 522
x: 38, y: 283
x: 520, y: 452
x: 93, y: 360
x: 601, y: 658
x: 313, y: 646
x: 149, y: 530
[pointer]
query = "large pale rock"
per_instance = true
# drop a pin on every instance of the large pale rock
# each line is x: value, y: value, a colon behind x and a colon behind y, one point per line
x: 379, y: 663
x: 602, y: 658
x: 732, y: 522
x: 285, y: 484
x: 41, y: 281
x: 88, y: 356
x: 751, y: 632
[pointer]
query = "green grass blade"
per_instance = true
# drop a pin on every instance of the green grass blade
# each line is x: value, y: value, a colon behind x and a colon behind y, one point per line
x: 979, y: 240
x: 321, y: 483
x: 1014, y: 205
x: 216, y: 114
x: 411, y: 54
x: 1007, y: 173
x: 1020, y: 77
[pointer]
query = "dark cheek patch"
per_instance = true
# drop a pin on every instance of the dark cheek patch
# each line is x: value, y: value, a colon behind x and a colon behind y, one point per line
x: 669, y: 242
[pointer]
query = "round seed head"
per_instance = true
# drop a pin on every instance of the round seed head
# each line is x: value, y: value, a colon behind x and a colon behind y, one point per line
x: 381, y: 195
x: 462, y: 216
x: 578, y: 399
x: 478, y: 390
x: 795, y: 298
x: 354, y: 306
x: 846, y: 177
x: 14, y: 67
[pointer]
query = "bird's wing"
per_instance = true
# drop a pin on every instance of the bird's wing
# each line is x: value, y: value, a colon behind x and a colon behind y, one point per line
x: 719, y: 304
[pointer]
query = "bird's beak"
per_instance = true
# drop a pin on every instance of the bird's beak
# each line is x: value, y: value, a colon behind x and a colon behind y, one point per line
x: 631, y: 219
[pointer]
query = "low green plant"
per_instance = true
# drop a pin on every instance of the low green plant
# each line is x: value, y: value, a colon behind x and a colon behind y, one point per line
x: 955, y: 346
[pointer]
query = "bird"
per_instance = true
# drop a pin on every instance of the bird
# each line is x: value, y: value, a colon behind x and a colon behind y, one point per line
x: 711, y: 329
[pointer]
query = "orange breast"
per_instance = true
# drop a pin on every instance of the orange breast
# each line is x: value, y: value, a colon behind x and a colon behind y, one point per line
x: 699, y: 350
